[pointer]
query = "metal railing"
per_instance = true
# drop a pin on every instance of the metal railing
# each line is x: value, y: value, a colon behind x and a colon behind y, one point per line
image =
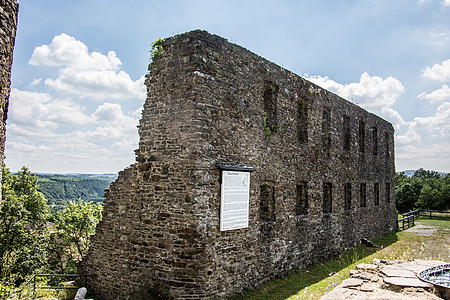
x: 33, y: 279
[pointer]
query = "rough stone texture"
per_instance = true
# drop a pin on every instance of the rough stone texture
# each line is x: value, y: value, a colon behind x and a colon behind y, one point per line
x: 387, y: 280
x: 8, y: 22
x: 210, y: 101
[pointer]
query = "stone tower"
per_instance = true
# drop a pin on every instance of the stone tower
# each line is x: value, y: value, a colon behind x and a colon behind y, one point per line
x: 245, y: 172
x: 8, y: 19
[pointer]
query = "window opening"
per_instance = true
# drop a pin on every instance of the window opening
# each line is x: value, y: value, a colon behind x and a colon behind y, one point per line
x: 302, y: 121
x: 386, y: 145
x: 267, y: 203
x: 388, y: 192
x: 301, y: 207
x: 327, y: 198
x: 346, y: 133
x: 376, y: 193
x: 362, y: 195
x: 347, y: 196
x: 326, y: 138
x: 375, y: 140
x: 362, y: 137
x: 270, y: 106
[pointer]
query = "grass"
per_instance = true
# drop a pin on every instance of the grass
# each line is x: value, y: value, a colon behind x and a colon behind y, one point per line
x: 313, y: 281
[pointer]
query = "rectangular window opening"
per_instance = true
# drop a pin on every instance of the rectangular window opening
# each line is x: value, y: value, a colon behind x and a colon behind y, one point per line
x: 386, y: 145
x: 267, y: 203
x: 270, y: 106
x: 347, y: 196
x: 327, y: 198
x: 346, y: 133
x: 326, y: 132
x: 362, y: 137
x: 375, y: 140
x: 302, y: 121
x: 301, y: 207
x: 362, y: 195
x: 388, y: 192
x: 376, y: 194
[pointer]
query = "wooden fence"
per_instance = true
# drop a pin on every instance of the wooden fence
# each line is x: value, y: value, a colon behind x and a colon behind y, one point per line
x: 409, y: 217
x: 434, y: 213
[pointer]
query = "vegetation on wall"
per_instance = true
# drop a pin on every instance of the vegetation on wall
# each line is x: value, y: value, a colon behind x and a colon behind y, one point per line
x: 156, y: 50
x: 424, y: 190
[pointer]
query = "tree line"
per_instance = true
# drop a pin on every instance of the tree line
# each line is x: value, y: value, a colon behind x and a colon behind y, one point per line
x: 59, y: 190
x: 31, y: 241
x: 423, y: 190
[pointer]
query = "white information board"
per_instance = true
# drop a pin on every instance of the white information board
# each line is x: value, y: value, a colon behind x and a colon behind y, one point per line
x: 234, y: 204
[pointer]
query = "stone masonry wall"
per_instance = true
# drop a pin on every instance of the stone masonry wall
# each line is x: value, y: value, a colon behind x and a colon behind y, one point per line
x: 324, y: 171
x: 8, y: 22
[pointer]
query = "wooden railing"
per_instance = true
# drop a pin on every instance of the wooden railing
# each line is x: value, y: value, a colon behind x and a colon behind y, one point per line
x: 408, y: 219
x: 434, y: 213
x: 33, y: 279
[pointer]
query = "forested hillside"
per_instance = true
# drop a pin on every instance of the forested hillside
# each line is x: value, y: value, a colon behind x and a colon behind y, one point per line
x: 60, y: 189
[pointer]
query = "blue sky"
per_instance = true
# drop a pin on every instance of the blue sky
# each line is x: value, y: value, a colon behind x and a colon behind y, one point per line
x: 77, y: 78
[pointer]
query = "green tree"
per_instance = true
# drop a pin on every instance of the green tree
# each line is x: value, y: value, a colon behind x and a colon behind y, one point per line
x: 70, y: 238
x: 23, y: 216
x: 425, y: 190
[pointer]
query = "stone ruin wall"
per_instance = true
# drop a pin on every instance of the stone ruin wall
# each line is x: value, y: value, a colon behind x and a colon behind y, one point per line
x: 8, y: 21
x: 206, y: 104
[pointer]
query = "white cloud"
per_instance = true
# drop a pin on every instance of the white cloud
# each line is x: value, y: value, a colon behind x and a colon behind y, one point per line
x: 371, y: 92
x: 439, y: 72
x: 40, y: 110
x: 446, y: 2
x: 85, y: 74
x: 438, y: 125
x: 442, y: 94
x: 99, y: 85
x: 65, y: 51
x: 36, y: 82
x: 432, y: 157
x: 410, y: 137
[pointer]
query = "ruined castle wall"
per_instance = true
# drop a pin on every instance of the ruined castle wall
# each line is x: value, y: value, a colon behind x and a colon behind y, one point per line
x: 8, y: 21
x: 323, y: 178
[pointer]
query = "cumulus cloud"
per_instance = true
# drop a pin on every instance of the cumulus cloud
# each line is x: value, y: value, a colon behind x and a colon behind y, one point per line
x: 40, y: 110
x: 442, y: 94
x: 446, y: 2
x: 438, y: 125
x: 86, y: 74
x: 434, y: 156
x: 36, y: 82
x: 371, y: 92
x: 65, y: 50
x: 439, y: 72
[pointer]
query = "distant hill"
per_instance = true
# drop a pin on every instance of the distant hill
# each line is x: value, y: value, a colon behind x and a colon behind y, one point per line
x: 59, y: 189
x: 410, y: 173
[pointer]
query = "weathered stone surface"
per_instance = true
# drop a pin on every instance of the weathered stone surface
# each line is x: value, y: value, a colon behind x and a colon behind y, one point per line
x: 352, y: 282
x: 209, y: 102
x: 407, y: 281
x: 8, y: 20
x: 375, y: 284
x: 392, y: 271
x: 366, y: 267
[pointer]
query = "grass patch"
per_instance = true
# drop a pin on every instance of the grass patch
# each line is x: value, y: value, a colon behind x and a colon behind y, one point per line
x: 314, y: 281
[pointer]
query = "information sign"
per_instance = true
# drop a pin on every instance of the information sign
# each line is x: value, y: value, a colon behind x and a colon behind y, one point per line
x: 234, y: 204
